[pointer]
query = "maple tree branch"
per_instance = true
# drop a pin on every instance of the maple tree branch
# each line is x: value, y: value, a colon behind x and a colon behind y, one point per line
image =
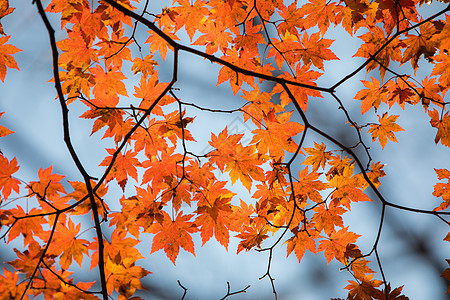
x: 67, y: 282
x: 41, y: 258
x: 437, y: 102
x: 185, y: 289
x: 229, y: 293
x: 209, y: 57
x: 268, y: 272
x: 65, y: 113
x: 393, y: 37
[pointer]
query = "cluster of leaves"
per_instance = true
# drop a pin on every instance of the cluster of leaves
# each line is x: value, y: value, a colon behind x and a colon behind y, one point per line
x: 179, y: 194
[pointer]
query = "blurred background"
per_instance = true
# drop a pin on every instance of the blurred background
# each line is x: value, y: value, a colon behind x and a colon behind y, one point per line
x: 411, y: 248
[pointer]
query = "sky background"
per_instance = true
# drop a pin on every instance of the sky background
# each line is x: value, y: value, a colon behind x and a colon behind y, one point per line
x: 411, y: 246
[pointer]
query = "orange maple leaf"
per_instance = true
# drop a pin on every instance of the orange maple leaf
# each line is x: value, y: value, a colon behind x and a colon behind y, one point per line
x: 76, y: 51
x: 108, y: 85
x: 29, y: 228
x: 443, y: 126
x: 442, y: 189
x: 6, y: 60
x: 7, y: 182
x: 366, y: 290
x: 385, y: 130
x: 278, y: 134
x: 215, y: 217
x: 372, y: 96
x: 242, y: 162
x: 190, y: 16
x: 251, y: 237
x: 336, y: 244
x: 124, y: 166
x: 328, y: 218
x: 4, y: 11
x: 446, y: 275
x: 301, y: 242
x: 374, y: 40
x: 318, y: 156
x: 66, y: 244
x: 318, y: 12
x: 11, y: 287
x: 3, y: 130
x: 171, y: 235
x: 315, y: 50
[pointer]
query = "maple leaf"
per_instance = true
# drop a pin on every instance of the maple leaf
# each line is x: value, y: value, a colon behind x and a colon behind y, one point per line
x: 6, y: 59
x: 318, y: 156
x: 318, y: 12
x: 401, y: 92
x: 292, y: 17
x: 303, y: 75
x: 372, y: 96
x: 56, y: 283
x: 26, y: 262
x: 48, y: 188
x: 215, y: 218
x: 29, y: 228
x: 173, y: 234
x: 159, y: 44
x: 395, y: 294
x: 308, y: 186
x: 120, y: 249
x: 251, y: 238
x: 115, y: 49
x: 138, y: 211
x: 385, y: 130
x: 327, y: 218
x: 80, y: 192
x: 191, y: 16
x: 68, y: 9
x: 10, y: 287
x: 108, y: 85
x: 76, y: 81
x: 356, y: 14
x: 124, y: 279
x: 443, y: 126
x: 66, y: 244
x: 376, y: 173
x: 3, y: 130
x: 420, y: 44
x: 76, y: 51
x: 446, y: 275
x: 430, y: 91
x: 149, y: 90
x: 315, y: 50
x: 160, y: 169
x: 374, y: 40
x: 250, y: 40
x: 7, y: 182
x: 144, y: 66
x: 242, y: 162
x: 124, y: 166
x: 300, y: 242
x: 287, y: 213
x: 348, y: 188
x: 278, y: 134
x: 4, y: 11
x: 259, y: 105
x: 336, y: 244
x: 442, y: 189
x: 366, y: 290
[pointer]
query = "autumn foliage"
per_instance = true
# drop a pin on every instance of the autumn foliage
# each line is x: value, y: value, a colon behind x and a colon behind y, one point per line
x: 300, y: 193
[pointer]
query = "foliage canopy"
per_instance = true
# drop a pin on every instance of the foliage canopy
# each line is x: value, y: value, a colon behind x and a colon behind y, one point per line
x: 299, y: 194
